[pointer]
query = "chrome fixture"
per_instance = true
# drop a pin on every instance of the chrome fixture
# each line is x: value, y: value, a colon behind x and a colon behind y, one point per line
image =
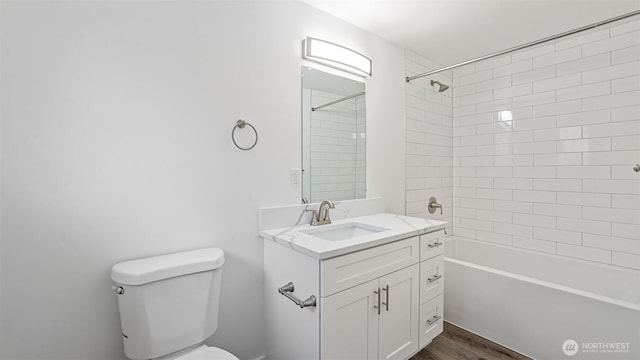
x: 636, y: 168
x: 386, y: 290
x: 240, y: 124
x: 434, y: 319
x: 435, y: 244
x: 378, y: 293
x: 321, y: 217
x: 524, y: 46
x: 441, y: 87
x: 433, y: 205
x: 287, y: 289
x: 338, y: 101
x: 118, y: 289
x: 336, y: 56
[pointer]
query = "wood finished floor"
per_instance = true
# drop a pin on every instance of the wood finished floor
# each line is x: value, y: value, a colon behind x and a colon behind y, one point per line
x: 457, y: 344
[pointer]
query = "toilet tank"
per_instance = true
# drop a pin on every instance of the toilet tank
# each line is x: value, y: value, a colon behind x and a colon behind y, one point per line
x: 168, y: 303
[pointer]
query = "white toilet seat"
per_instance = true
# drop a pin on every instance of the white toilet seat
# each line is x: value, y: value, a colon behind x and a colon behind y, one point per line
x: 208, y: 353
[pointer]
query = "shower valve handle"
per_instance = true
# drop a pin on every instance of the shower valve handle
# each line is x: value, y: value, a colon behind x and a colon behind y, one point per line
x: 433, y: 205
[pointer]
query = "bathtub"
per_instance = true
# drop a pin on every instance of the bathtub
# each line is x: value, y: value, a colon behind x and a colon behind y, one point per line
x: 544, y: 306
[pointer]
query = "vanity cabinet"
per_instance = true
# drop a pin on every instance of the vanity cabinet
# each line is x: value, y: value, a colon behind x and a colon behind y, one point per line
x: 383, y: 302
x: 369, y: 302
x: 374, y: 320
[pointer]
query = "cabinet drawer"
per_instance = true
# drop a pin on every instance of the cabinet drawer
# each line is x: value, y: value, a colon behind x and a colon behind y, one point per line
x: 349, y: 270
x: 431, y: 320
x: 431, y: 244
x: 431, y: 278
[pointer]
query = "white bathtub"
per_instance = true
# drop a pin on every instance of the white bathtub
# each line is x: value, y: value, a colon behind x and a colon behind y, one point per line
x: 533, y: 302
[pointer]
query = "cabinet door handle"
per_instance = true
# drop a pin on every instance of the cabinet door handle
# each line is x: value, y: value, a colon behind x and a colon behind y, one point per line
x: 377, y: 292
x: 435, y: 244
x: 433, y: 320
x: 386, y: 290
x: 434, y: 278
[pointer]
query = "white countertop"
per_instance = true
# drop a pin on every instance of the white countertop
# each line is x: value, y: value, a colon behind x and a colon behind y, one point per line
x: 399, y: 227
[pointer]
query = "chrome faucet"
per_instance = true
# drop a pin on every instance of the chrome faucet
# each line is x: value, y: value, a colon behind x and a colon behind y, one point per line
x: 322, y: 216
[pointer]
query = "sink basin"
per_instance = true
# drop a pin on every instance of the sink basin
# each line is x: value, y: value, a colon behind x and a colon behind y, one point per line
x: 344, y: 231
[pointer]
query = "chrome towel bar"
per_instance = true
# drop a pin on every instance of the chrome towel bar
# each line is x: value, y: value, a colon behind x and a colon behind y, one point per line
x: 287, y: 289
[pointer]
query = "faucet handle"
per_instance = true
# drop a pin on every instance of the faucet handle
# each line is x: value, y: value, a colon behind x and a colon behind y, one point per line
x: 314, y: 218
x: 433, y: 205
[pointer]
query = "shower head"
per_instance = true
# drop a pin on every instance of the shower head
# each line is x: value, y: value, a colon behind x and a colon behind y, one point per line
x: 441, y: 87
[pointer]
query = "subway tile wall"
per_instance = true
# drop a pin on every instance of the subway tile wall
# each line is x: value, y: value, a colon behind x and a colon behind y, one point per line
x: 543, y: 145
x: 428, y: 141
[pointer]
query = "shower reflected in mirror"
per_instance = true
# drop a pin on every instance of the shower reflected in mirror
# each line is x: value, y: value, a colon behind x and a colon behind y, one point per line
x: 333, y: 137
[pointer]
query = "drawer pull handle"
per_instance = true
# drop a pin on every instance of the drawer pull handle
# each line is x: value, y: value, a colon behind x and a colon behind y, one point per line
x: 433, y: 320
x: 386, y: 290
x: 377, y: 292
x: 434, y: 278
x: 435, y: 244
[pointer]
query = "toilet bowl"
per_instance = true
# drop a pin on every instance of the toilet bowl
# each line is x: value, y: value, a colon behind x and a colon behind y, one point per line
x: 207, y: 353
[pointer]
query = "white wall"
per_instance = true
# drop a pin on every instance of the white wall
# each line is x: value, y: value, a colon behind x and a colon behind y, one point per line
x: 116, y: 123
x: 544, y: 142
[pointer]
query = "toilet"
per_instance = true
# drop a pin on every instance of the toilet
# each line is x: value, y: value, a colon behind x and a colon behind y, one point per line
x: 169, y: 305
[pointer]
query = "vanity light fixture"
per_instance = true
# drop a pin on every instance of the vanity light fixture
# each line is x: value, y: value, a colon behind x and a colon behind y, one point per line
x: 336, y: 56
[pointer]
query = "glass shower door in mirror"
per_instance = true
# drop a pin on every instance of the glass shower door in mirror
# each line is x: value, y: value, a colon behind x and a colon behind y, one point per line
x: 333, y: 137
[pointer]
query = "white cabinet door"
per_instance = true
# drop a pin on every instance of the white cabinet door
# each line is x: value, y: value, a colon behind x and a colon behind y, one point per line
x: 350, y: 324
x: 398, y: 329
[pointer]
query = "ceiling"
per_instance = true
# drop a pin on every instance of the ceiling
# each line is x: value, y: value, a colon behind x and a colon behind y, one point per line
x: 452, y: 31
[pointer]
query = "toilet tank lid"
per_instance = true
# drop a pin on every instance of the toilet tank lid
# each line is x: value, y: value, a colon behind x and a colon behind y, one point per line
x: 142, y: 271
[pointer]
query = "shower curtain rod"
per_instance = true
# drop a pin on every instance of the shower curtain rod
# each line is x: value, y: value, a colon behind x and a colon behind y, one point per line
x: 523, y: 46
x: 337, y: 101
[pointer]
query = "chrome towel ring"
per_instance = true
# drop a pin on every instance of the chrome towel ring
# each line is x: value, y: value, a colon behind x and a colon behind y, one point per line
x: 241, y: 124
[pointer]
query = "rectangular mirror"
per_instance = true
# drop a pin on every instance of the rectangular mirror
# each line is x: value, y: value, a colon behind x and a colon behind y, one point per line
x: 333, y: 137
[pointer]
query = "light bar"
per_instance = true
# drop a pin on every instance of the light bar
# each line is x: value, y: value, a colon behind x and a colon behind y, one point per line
x: 336, y: 56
